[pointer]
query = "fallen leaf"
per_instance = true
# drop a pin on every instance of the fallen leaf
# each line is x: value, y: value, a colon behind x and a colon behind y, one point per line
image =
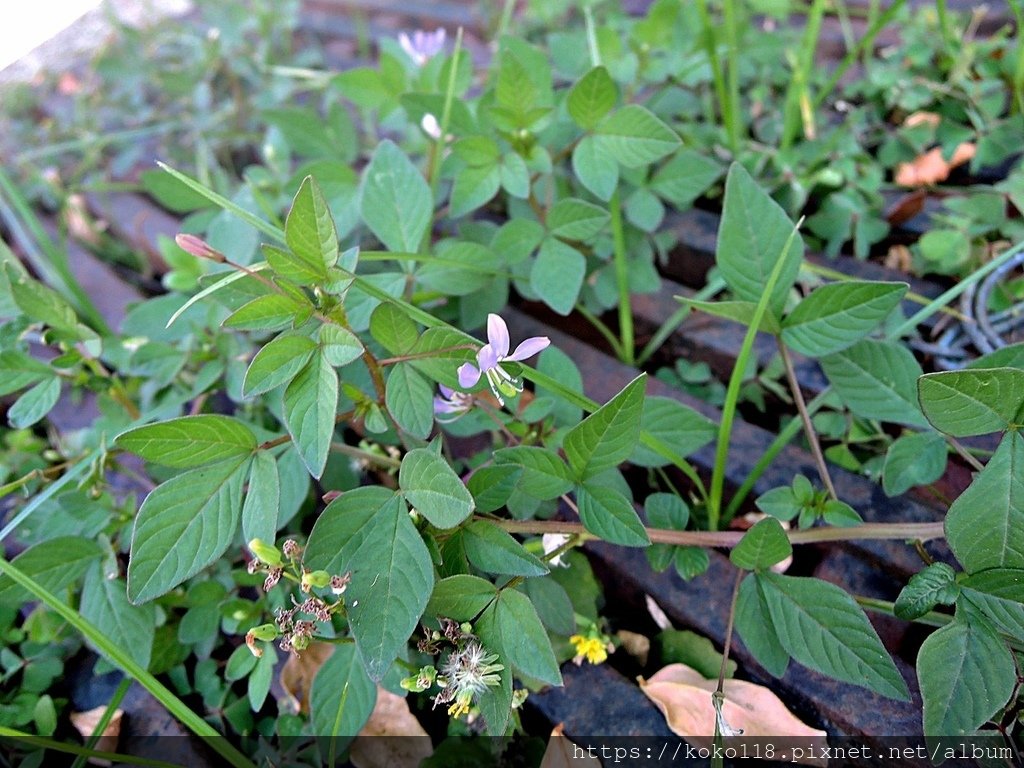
x: 906, y: 207
x: 931, y: 168
x: 636, y: 645
x: 684, y: 697
x: 562, y: 753
x: 85, y: 723
x: 298, y: 672
x: 391, y: 717
x: 921, y: 118
x: 899, y: 257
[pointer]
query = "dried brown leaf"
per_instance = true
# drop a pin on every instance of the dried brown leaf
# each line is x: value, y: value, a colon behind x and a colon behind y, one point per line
x: 298, y: 672
x: 391, y: 717
x: 684, y: 697
x: 561, y: 753
x: 931, y: 168
x: 85, y: 723
x: 636, y: 645
x: 921, y: 118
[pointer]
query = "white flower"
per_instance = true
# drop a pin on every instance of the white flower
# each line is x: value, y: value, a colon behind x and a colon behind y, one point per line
x: 430, y: 126
x: 422, y: 46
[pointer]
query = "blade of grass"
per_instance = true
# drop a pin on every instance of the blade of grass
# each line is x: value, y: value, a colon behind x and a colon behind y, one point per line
x: 709, y: 39
x: 104, y: 721
x: 799, y: 83
x: 83, y: 753
x: 160, y: 692
x: 46, y: 494
x: 627, y: 344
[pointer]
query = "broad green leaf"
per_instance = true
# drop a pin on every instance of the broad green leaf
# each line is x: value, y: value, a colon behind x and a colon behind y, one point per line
x: 576, y: 219
x: 461, y: 597
x: 935, y: 585
x: 553, y: 606
x: 510, y: 627
x: 491, y: 486
x: 822, y: 627
x: 607, y: 513
x: 754, y: 626
x: 496, y: 704
x: 340, y: 345
x: 592, y: 97
x: 473, y: 187
x: 751, y: 238
x: 595, y: 168
x: 459, y: 268
x: 18, y: 370
x: 676, y: 426
x: 685, y: 178
x: 276, y: 363
x: 409, y: 398
x: 393, y: 329
x: 972, y: 402
x: 680, y: 646
x: 342, y: 696
x: 267, y: 313
x: 911, y: 460
x: 557, y: 275
x: 105, y: 604
x: 262, y: 499
x: 608, y: 436
x: 635, y: 137
x: 448, y: 348
x: 258, y: 684
x: 493, y: 550
x: 53, y: 564
x: 764, y: 545
x: 367, y: 532
x: 41, y: 303
x: 837, y: 315
x: 190, y: 441
x: 183, y: 526
x: 545, y: 475
x: 310, y: 407
x: 999, y: 594
x: 877, y: 380
x: 395, y: 201
x: 742, y: 312
x: 292, y: 267
x: 309, y: 229
x: 433, y: 488
x: 34, y: 404
x: 985, y: 525
x: 966, y: 675
x: 780, y: 503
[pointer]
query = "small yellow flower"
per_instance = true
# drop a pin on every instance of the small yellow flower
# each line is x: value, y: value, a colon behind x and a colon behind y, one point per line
x: 461, y: 705
x: 590, y: 648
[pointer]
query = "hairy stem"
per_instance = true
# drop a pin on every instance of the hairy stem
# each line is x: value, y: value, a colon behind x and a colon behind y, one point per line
x: 805, y: 417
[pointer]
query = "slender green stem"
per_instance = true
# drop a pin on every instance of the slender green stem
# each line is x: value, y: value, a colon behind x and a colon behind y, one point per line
x: 603, y: 329
x: 728, y: 630
x: 732, y: 41
x: 622, y: 280
x: 595, y: 52
x: 123, y: 659
x: 83, y: 753
x: 104, y: 721
x: 1018, y: 72
x: 799, y: 84
x: 437, y: 155
x: 506, y: 18
x: 932, y: 618
x: 369, y: 456
x: 732, y: 393
x: 805, y: 417
x: 676, y: 319
x: 708, y: 37
x: 944, y: 26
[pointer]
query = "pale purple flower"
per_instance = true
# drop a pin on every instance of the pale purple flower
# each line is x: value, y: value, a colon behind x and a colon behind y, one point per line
x: 494, y: 352
x: 422, y: 46
x: 449, y: 405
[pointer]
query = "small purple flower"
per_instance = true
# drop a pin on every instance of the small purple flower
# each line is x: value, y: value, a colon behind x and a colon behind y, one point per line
x: 449, y: 405
x: 422, y: 46
x: 494, y: 352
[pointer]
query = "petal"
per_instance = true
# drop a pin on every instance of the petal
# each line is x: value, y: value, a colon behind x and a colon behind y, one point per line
x: 487, y: 357
x: 468, y: 375
x: 446, y: 392
x: 442, y: 406
x: 497, y: 335
x: 406, y: 44
x: 530, y: 347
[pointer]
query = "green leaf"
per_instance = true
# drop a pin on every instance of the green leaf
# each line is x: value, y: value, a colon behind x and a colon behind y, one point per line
x: 676, y: 426
x: 608, y: 436
x: 877, y: 380
x: 34, y: 404
x: 267, y: 313
x: 262, y: 499
x: 461, y: 597
x: 105, y: 604
x: 552, y: 604
x: 393, y: 329
x: 972, y: 402
x: 510, y: 627
x: 742, y: 312
x: 492, y: 486
x: 966, y: 675
x: 592, y: 97
x: 985, y: 525
x: 557, y: 275
x: 780, y: 503
x: 751, y: 238
x: 183, y: 526
x: 342, y: 696
x: 409, y: 398
x: 911, y: 460
x: 838, y: 315
x: 309, y: 229
x: 595, y: 168
x: 395, y: 200
x: 496, y: 705
x: 545, y: 475
x: 367, y: 532
x: 310, y: 407
x: 754, y: 626
x: 635, y: 137
x: 433, y: 488
x: 294, y: 268
x: 276, y: 363
x: 258, y: 685
x: 473, y: 187
x: 576, y: 219
x: 190, y: 441
x: 493, y: 550
x: 762, y: 546
x: 999, y: 594
x: 18, y: 370
x: 52, y: 564
x: 607, y: 513
x: 822, y: 627
x: 680, y: 646
x: 340, y: 345
x: 933, y: 586
x: 685, y: 178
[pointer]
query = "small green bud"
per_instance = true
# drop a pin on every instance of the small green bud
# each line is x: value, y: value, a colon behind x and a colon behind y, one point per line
x: 315, y: 579
x: 264, y: 632
x: 267, y: 554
